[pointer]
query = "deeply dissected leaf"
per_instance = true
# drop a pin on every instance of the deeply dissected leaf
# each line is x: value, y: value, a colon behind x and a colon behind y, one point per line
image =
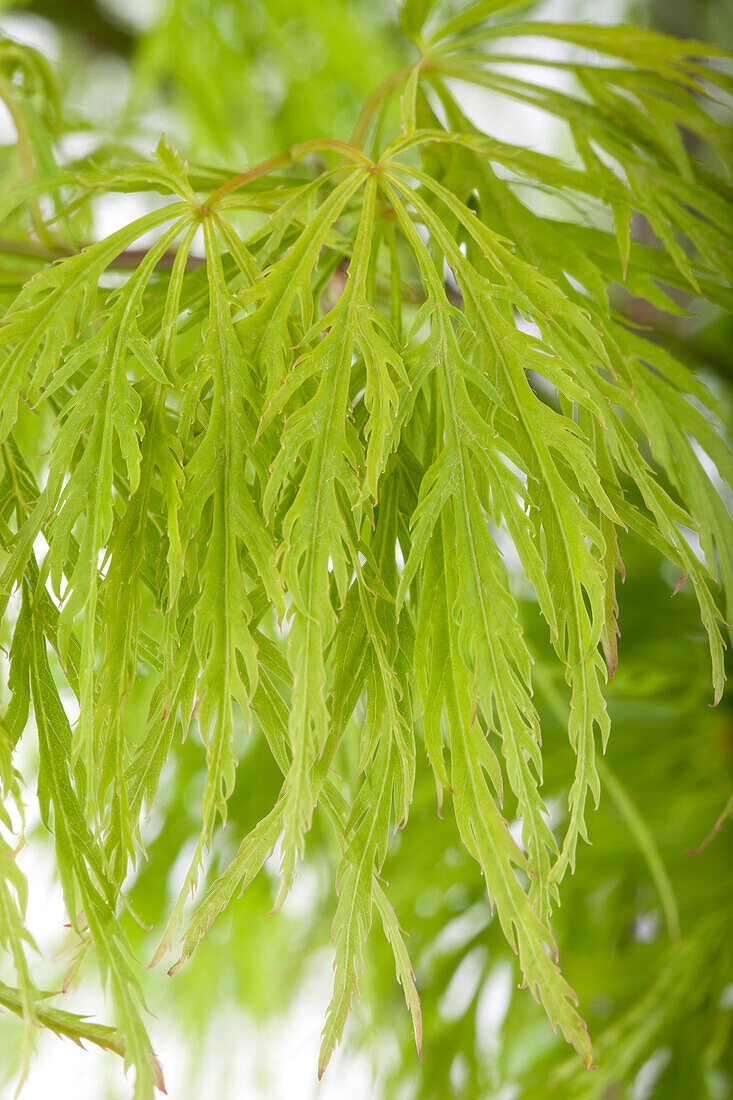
x: 293, y: 483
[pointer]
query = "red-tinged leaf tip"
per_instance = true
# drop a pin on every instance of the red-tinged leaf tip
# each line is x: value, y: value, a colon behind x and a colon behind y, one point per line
x: 158, y: 1074
x: 279, y: 901
x: 161, y: 950
x: 680, y: 582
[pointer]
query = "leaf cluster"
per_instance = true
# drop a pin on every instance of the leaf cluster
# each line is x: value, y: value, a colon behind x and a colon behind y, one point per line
x: 301, y: 445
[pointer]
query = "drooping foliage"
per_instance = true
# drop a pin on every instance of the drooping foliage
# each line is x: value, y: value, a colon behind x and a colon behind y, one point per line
x: 280, y: 446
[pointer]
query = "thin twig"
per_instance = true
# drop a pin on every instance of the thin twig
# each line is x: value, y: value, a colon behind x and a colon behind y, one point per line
x: 130, y: 257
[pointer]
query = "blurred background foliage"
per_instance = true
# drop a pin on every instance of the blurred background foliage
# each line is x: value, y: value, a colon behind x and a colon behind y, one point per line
x: 644, y: 930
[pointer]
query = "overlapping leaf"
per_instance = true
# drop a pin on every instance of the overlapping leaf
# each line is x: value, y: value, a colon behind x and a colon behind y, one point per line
x: 343, y: 428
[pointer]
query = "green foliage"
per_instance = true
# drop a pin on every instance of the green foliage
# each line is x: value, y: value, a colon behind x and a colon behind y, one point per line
x: 274, y: 483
